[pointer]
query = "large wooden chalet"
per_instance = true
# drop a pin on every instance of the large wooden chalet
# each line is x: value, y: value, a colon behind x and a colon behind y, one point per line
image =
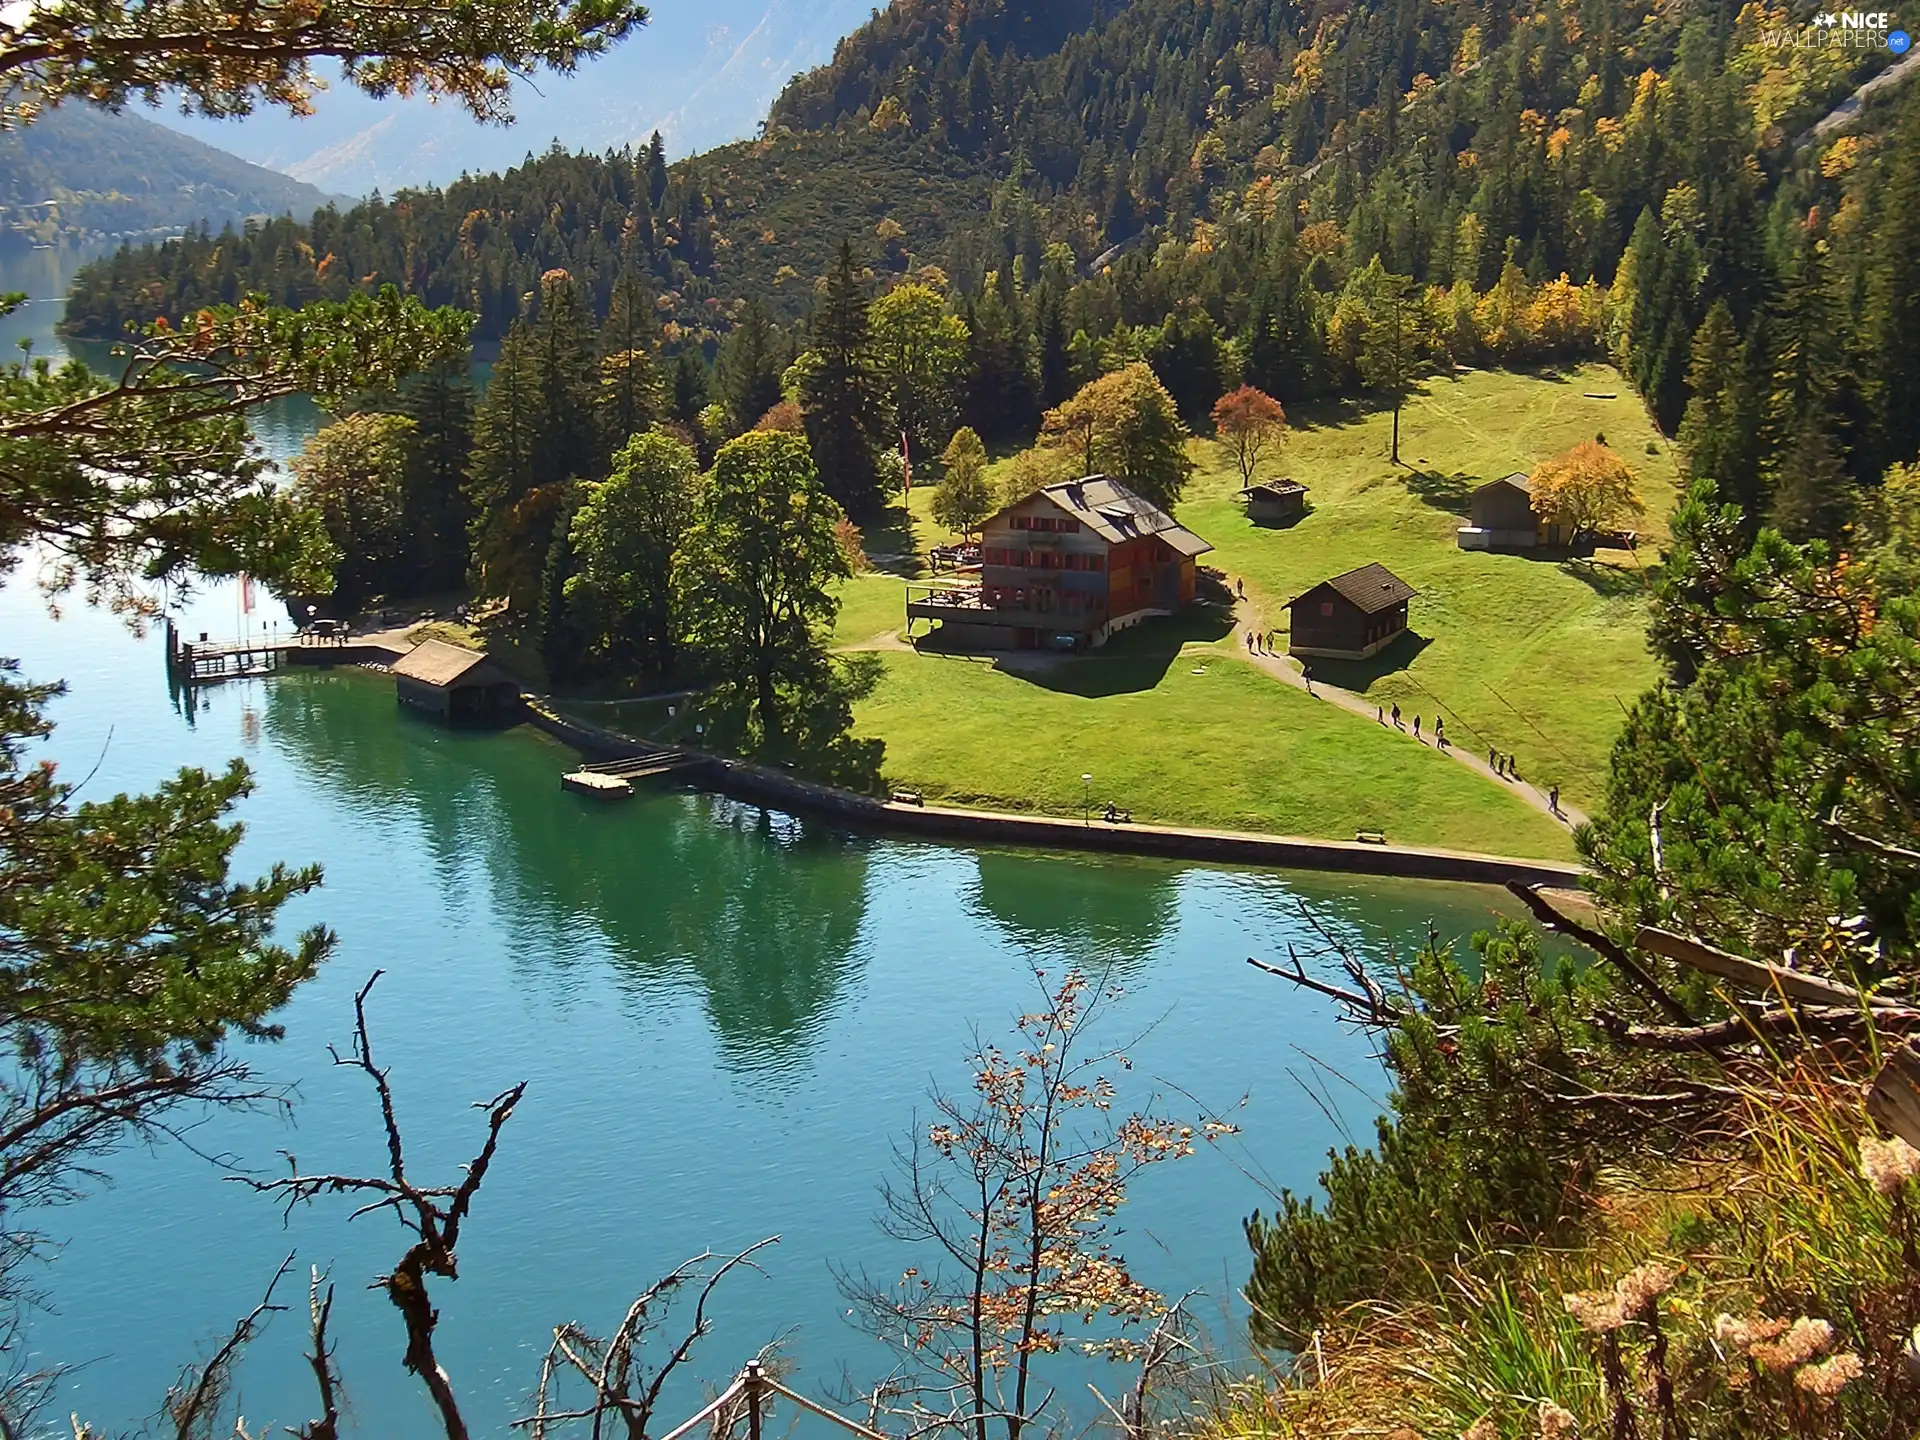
x: 1350, y: 616
x: 1065, y: 567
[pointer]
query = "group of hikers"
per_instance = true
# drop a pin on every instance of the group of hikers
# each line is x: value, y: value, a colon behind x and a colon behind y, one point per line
x: 1439, y: 724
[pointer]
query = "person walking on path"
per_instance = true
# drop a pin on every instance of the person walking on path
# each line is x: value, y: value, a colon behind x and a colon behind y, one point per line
x: 1249, y: 642
x: 1380, y: 714
x: 1493, y: 761
x: 1240, y: 588
x: 1396, y: 714
x: 1553, y: 800
x: 1440, y: 731
x: 1416, y: 727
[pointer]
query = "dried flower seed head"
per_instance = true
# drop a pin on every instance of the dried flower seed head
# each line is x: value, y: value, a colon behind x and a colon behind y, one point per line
x: 1829, y: 1377
x: 1641, y: 1286
x: 1888, y: 1164
x: 1555, y: 1423
x: 1804, y: 1340
x: 1739, y: 1336
x: 1596, y: 1311
x: 1481, y: 1429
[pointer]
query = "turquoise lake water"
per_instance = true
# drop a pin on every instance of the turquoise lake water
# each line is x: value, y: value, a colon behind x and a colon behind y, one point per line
x: 726, y: 1018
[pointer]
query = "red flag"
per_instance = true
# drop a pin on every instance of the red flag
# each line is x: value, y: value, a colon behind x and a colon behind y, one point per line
x: 906, y: 466
x: 246, y: 594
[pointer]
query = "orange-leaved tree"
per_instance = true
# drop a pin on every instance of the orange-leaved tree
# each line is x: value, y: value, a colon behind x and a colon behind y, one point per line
x: 1014, y: 1186
x: 1586, y: 489
x: 1249, y: 423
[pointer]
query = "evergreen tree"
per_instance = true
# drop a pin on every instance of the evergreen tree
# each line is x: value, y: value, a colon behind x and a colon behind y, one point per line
x: 569, y: 442
x: 505, y: 464
x: 656, y: 170
x: 437, y: 510
x: 750, y: 366
x: 1892, y: 322
x: 564, y: 635
x: 1001, y: 402
x: 836, y: 392
x: 1056, y: 360
x: 1808, y: 481
x: 630, y: 398
x: 1720, y: 433
x: 689, y: 387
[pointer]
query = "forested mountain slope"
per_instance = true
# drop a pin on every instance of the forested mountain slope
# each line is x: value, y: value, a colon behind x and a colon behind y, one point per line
x: 1267, y: 154
x: 79, y: 173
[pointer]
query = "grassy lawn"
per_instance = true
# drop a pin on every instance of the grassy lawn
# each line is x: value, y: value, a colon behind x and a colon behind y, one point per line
x: 1230, y: 748
x: 1533, y: 657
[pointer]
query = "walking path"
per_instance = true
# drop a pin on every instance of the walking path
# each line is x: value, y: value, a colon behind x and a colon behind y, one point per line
x: 1288, y: 671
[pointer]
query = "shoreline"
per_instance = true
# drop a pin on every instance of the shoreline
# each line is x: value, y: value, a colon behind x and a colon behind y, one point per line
x: 744, y: 780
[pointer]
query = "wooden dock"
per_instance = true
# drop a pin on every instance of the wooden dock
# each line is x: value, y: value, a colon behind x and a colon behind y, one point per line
x: 614, y: 779
x: 204, y: 662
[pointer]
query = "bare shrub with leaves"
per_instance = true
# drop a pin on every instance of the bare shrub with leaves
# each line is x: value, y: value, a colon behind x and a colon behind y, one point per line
x: 1013, y: 1186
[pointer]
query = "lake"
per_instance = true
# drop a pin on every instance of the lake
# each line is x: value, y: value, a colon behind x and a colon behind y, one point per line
x: 726, y: 1016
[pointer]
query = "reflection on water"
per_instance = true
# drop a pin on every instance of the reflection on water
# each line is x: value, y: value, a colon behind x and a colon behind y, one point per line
x: 726, y: 1017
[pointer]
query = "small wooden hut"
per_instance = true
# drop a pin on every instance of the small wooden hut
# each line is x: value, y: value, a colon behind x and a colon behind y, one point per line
x: 1502, y: 517
x: 1350, y: 616
x: 453, y: 682
x: 1277, y: 502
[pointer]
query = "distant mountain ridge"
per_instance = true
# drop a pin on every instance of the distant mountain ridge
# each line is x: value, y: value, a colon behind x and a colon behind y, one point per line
x: 79, y: 173
x: 702, y: 72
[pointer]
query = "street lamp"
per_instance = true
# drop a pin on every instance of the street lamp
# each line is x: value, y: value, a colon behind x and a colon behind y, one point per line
x: 1086, y: 800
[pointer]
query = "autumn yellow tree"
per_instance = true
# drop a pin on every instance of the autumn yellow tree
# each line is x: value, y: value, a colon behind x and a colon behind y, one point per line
x: 1249, y: 424
x: 1125, y: 426
x: 1586, y: 489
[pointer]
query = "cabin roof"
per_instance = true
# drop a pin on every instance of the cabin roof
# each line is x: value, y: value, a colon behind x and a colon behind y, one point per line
x: 1519, y: 480
x: 1114, y: 513
x: 434, y: 662
x: 1370, y: 589
x: 1276, y: 488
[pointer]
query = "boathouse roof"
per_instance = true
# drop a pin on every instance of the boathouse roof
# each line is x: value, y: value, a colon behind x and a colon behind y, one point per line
x: 434, y: 662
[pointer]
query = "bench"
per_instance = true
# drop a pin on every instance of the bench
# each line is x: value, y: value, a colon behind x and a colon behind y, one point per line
x: 908, y: 797
x: 1369, y: 837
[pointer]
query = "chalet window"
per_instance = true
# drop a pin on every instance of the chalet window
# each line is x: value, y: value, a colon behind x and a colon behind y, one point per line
x: 1022, y: 522
x: 1096, y: 562
x: 1326, y: 607
x: 1072, y: 527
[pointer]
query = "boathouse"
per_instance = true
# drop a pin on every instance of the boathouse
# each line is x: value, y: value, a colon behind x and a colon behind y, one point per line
x: 1350, y: 616
x: 1277, y: 502
x: 453, y: 682
x: 1502, y: 517
x: 1065, y: 567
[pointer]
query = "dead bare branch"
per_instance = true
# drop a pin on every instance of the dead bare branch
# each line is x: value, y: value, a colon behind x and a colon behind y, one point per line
x: 193, y: 1402
x: 1604, y: 946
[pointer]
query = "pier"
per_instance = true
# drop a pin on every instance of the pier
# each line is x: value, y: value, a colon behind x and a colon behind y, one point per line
x: 614, y: 779
x: 205, y: 662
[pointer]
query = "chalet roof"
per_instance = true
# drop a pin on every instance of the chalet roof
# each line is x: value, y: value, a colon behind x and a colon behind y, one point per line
x: 1519, y: 480
x: 1276, y: 488
x: 1115, y: 513
x: 434, y: 662
x: 1370, y: 589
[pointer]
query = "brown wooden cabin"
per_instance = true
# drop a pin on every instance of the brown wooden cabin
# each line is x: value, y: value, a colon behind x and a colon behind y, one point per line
x: 1502, y: 517
x: 1350, y: 616
x: 1065, y: 567
x: 1277, y: 502
x: 454, y: 682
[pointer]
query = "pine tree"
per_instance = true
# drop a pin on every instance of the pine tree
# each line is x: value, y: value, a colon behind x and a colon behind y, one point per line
x: 656, y: 170
x: 1001, y: 403
x: 569, y: 440
x: 1719, y: 433
x: 504, y: 467
x: 1056, y: 361
x: 630, y: 396
x: 1809, y: 481
x: 689, y: 387
x: 836, y: 395
x: 564, y: 638
x: 437, y: 509
x: 1892, y: 321
x: 750, y: 368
